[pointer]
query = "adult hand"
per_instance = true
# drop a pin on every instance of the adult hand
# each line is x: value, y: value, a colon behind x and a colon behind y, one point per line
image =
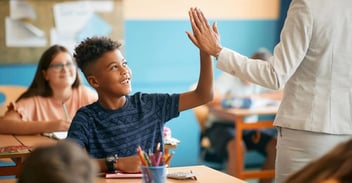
x: 204, y: 36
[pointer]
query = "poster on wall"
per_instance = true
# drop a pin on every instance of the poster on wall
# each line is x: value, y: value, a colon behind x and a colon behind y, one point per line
x: 18, y: 31
x: 22, y: 34
x: 78, y: 20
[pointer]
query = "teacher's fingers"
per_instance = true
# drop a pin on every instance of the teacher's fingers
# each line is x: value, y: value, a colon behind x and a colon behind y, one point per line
x: 195, y: 28
x: 197, y: 19
x: 204, y: 21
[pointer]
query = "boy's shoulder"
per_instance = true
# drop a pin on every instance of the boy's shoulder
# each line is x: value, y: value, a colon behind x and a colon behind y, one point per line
x: 141, y: 95
x: 146, y: 96
x: 89, y: 107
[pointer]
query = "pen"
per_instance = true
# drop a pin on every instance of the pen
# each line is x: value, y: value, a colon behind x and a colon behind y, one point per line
x: 157, y: 150
x: 158, y: 160
x: 146, y: 157
x: 141, y: 156
x: 65, y: 111
x: 152, y: 158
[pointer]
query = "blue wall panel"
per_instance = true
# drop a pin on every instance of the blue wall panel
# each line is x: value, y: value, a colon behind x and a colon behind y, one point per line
x: 163, y: 59
x: 19, y: 74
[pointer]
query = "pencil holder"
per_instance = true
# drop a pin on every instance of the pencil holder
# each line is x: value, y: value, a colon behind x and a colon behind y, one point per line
x: 153, y: 174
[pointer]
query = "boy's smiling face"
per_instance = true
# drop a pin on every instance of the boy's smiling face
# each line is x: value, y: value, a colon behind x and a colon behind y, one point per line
x: 111, y: 76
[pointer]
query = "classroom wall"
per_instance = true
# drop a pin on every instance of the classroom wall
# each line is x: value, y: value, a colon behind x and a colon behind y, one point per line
x: 164, y: 60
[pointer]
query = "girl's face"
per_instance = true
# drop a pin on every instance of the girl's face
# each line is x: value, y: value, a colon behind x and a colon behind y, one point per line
x: 112, y: 76
x: 61, y: 71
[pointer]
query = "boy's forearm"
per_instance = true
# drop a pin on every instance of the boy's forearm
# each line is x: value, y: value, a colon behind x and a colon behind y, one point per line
x: 206, y: 74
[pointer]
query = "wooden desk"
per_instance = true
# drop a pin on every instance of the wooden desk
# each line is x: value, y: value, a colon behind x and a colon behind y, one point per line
x: 9, y: 140
x: 238, y: 116
x: 32, y: 141
x: 204, y: 175
x: 27, y: 140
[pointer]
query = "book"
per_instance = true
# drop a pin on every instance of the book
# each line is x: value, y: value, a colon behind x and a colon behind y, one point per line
x: 122, y: 175
x: 59, y: 135
x: 18, y: 149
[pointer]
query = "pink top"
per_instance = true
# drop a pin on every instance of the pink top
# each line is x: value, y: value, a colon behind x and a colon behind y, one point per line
x: 40, y: 108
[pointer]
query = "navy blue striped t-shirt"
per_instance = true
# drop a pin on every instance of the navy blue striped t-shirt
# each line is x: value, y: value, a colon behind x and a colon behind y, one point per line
x: 139, y: 122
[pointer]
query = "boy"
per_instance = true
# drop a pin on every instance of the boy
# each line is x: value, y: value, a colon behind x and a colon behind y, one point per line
x: 112, y: 128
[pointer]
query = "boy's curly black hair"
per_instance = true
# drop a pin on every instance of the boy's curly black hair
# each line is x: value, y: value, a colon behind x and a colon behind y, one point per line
x: 91, y: 49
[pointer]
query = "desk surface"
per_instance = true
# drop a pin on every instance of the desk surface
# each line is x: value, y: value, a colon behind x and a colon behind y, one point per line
x: 9, y: 140
x: 35, y: 140
x: 267, y: 110
x: 30, y: 141
x: 204, y: 175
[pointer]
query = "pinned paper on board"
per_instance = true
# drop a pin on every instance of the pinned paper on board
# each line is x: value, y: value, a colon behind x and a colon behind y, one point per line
x: 65, y: 39
x: 22, y: 34
x: 71, y: 16
x: 86, y: 22
x: 21, y: 9
x: 96, y: 26
x: 104, y: 6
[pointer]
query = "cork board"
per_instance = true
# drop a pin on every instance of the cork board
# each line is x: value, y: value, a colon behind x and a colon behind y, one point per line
x: 45, y: 21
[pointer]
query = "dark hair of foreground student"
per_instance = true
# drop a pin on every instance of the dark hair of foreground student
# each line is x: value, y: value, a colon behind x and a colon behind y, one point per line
x: 64, y: 162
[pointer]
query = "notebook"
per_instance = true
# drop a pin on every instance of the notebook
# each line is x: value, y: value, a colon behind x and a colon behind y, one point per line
x: 56, y: 135
x: 19, y: 149
x: 122, y: 175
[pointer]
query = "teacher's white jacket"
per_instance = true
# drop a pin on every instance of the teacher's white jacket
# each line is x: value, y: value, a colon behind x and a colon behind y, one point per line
x: 312, y: 62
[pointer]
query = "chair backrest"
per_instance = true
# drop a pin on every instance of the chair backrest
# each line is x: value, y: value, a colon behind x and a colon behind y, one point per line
x: 9, y: 93
x: 201, y: 113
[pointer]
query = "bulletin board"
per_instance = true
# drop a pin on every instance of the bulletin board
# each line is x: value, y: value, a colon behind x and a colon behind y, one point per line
x: 45, y: 21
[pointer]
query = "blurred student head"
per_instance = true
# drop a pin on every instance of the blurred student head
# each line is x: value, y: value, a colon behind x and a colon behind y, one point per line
x: 333, y: 167
x: 64, y: 162
x: 262, y: 53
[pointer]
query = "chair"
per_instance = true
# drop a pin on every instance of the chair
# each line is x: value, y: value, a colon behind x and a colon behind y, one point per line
x: 9, y: 93
x: 201, y: 114
x: 252, y: 159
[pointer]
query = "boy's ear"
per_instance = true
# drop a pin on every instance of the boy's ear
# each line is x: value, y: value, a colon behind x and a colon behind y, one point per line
x: 93, y: 81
